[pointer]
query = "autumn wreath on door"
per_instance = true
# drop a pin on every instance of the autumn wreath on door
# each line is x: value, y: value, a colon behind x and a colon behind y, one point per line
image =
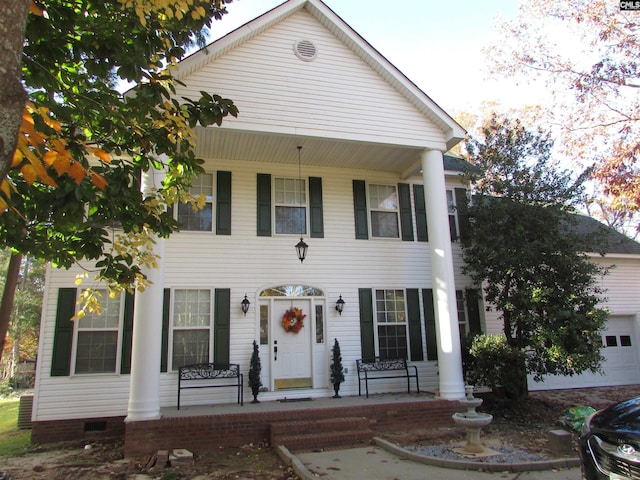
x: 293, y: 320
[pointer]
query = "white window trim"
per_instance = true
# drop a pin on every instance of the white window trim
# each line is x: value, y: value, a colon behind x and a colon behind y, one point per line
x: 77, y: 329
x: 275, y: 205
x: 371, y: 209
x: 208, y: 200
x: 465, y: 311
x: 452, y: 209
x: 376, y: 324
x: 170, y: 366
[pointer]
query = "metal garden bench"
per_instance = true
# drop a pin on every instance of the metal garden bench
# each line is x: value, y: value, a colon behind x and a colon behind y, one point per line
x: 210, y: 375
x: 375, y: 369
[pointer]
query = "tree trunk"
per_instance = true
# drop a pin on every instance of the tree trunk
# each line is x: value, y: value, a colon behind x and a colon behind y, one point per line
x: 15, y: 357
x: 6, y: 305
x: 517, y: 388
x: 12, y: 94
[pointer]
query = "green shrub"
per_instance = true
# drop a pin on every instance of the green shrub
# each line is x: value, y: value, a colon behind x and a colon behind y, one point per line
x: 489, y: 361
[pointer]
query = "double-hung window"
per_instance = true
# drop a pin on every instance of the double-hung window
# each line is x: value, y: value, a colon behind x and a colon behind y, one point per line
x: 463, y: 318
x: 383, y: 206
x: 453, y: 217
x: 290, y: 206
x: 202, y: 219
x: 191, y: 327
x: 391, y: 320
x: 98, y: 337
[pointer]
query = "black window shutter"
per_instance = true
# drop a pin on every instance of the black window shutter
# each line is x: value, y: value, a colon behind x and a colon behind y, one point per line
x: 166, y: 303
x: 421, y: 213
x: 406, y: 214
x: 367, y: 342
x: 463, y: 217
x: 360, y: 209
x: 127, y: 333
x: 223, y: 203
x: 221, y: 326
x: 264, y: 205
x: 473, y: 310
x: 430, y: 324
x: 63, y: 333
x: 453, y: 230
x: 316, y: 213
x: 415, y: 329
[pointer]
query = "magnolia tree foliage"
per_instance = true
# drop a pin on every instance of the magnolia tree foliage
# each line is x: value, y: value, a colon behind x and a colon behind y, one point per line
x: 523, y: 248
x: 74, y: 146
x: 587, y: 54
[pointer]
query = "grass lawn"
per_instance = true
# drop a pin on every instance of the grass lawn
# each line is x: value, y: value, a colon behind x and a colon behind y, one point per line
x: 12, y: 440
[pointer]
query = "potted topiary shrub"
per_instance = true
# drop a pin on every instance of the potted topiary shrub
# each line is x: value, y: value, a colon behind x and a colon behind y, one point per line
x: 337, y: 372
x: 255, y: 369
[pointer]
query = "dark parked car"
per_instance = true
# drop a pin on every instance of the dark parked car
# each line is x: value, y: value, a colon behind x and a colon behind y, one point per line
x: 610, y: 443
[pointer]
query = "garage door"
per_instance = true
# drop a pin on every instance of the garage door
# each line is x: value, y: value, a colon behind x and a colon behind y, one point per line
x: 621, y: 365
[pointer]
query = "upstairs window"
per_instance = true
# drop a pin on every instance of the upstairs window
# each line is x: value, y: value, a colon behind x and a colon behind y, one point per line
x: 290, y: 206
x: 453, y: 217
x: 383, y: 206
x: 198, y: 220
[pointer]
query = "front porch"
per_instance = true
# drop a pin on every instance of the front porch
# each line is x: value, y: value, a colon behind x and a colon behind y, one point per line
x: 203, y: 429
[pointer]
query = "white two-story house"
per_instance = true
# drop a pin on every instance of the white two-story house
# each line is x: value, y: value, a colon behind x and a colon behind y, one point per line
x: 333, y: 145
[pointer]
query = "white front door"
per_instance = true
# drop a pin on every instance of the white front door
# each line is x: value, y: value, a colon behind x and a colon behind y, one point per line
x: 291, y: 350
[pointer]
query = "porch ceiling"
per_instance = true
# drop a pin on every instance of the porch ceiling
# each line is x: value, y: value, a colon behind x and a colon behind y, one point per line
x: 325, y: 152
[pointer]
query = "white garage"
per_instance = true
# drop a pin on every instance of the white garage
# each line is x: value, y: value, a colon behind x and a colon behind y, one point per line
x: 621, y: 365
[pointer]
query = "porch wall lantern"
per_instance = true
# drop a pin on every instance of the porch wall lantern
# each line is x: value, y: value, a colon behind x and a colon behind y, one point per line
x: 340, y: 305
x: 245, y: 305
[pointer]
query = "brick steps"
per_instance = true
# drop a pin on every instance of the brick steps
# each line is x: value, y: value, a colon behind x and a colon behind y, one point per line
x: 322, y: 433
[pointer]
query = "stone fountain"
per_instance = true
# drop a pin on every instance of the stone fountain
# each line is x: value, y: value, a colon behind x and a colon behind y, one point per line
x: 472, y: 421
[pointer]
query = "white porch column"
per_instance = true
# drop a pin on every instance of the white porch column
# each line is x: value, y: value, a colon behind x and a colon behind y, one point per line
x: 444, y: 289
x: 144, y: 390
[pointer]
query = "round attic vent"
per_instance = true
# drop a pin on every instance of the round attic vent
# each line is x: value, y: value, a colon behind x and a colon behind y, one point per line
x: 305, y: 50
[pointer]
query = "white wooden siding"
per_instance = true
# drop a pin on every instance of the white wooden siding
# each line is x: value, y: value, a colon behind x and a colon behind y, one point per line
x: 338, y: 264
x: 335, y: 96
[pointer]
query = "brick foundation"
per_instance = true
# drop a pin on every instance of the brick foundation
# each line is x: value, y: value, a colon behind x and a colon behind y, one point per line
x: 76, y: 429
x: 207, y: 433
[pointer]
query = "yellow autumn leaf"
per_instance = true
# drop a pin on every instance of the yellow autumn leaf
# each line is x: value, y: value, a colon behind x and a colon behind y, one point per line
x: 29, y: 174
x: 77, y: 172
x: 50, y: 157
x: 61, y: 163
x: 33, y: 8
x: 98, y: 180
x: 3, y: 205
x: 79, y: 316
x: 37, y: 165
x: 101, y: 154
x: 5, y: 188
x: 17, y: 158
x: 26, y: 116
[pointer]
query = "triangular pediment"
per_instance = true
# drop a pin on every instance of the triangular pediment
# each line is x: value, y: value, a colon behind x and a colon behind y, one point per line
x: 299, y: 70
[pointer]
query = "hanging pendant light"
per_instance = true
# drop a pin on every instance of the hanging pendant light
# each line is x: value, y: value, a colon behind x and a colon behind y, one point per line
x: 301, y: 247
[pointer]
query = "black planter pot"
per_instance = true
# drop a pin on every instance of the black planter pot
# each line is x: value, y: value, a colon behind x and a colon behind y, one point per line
x: 335, y: 389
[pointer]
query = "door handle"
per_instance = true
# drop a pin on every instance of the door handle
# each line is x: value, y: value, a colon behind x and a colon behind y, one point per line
x: 275, y: 351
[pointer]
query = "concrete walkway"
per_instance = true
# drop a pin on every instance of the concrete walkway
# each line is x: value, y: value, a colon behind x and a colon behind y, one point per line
x: 375, y: 463
x: 386, y: 461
